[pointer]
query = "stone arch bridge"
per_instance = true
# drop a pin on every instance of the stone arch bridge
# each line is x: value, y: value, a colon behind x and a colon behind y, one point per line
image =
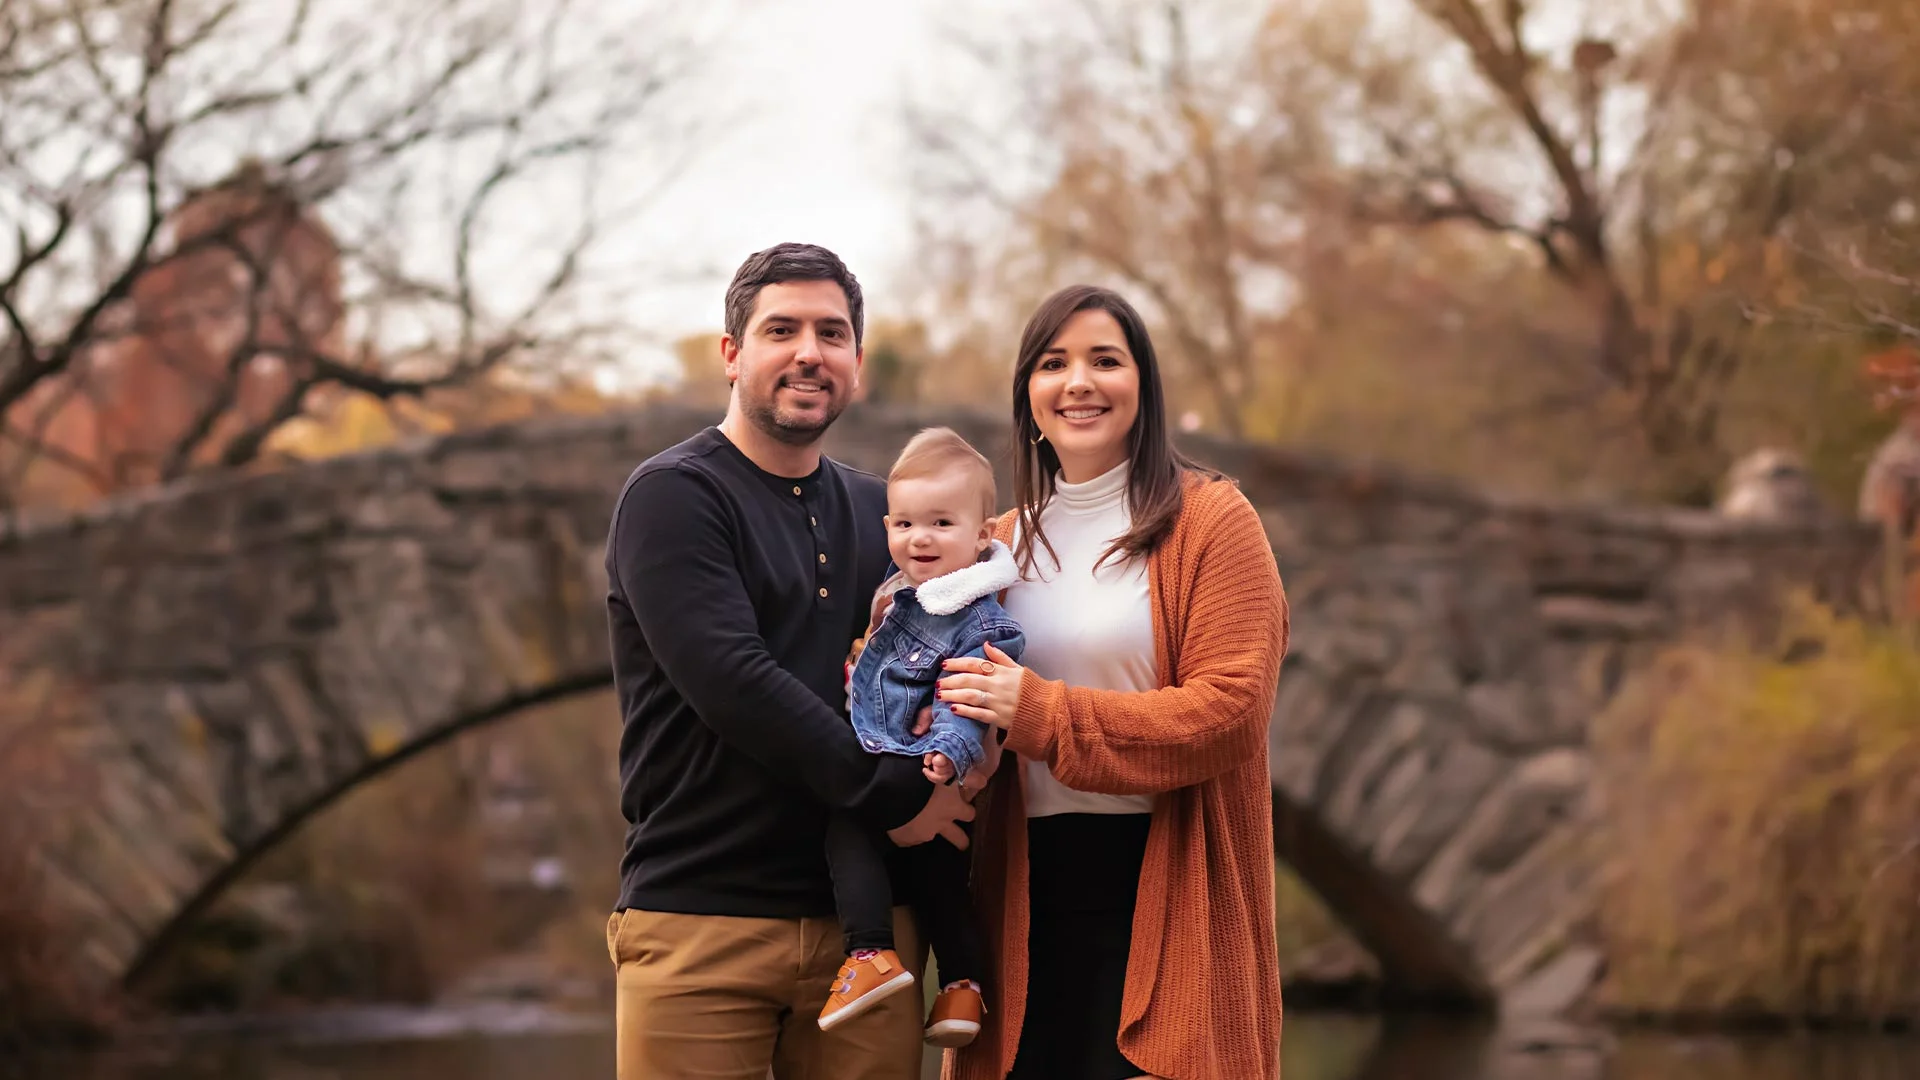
x: 238, y: 651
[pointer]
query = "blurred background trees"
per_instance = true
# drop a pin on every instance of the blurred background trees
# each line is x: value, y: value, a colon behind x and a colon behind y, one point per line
x: 1556, y: 247
x: 219, y: 214
x: 1561, y: 247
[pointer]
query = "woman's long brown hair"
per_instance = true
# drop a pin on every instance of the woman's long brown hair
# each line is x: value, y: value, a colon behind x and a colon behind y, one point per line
x: 1156, y: 470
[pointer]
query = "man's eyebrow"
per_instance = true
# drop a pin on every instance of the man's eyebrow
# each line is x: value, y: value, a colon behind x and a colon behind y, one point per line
x: 785, y: 319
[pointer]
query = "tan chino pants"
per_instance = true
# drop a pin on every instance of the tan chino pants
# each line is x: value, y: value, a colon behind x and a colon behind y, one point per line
x: 717, y: 997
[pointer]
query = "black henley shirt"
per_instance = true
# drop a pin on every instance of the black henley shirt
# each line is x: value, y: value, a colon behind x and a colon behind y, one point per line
x: 733, y: 596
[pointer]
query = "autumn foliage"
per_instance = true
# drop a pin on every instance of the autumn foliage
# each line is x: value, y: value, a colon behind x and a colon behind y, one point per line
x: 166, y: 392
x: 42, y: 786
x: 1602, y: 256
x: 1890, y: 491
x: 1761, y: 829
x: 161, y: 389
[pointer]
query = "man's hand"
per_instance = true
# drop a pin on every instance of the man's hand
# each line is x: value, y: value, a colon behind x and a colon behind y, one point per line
x: 941, y: 816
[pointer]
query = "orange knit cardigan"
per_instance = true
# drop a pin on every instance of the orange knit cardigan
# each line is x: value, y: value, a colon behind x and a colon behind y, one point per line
x: 1202, y: 997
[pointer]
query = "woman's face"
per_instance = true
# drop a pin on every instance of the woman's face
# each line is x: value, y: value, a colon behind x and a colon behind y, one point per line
x: 1085, y: 394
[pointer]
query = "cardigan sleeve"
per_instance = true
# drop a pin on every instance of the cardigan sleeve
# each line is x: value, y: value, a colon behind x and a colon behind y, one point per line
x: 1215, y: 715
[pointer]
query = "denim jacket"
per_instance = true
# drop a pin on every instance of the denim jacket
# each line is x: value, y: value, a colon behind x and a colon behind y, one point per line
x: 954, y: 614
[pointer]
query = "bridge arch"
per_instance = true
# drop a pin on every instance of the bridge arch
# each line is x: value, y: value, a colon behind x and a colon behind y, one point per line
x: 154, y: 949
x: 241, y: 650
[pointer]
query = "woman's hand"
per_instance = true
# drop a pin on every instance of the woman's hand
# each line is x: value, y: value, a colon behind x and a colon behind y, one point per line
x: 984, y: 690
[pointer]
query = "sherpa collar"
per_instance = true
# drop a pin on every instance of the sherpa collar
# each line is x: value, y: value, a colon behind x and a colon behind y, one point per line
x: 956, y: 589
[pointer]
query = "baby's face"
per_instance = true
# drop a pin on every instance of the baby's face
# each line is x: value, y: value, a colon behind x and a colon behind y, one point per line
x: 935, y: 524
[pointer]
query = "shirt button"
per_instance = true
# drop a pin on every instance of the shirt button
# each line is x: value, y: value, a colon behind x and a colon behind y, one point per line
x: 796, y: 489
x: 914, y: 659
x: 823, y: 557
x: 823, y: 593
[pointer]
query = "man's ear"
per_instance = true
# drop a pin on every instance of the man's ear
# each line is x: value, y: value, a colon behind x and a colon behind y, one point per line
x: 730, y: 357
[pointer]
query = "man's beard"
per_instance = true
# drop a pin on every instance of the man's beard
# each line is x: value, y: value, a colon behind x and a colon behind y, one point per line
x: 789, y: 427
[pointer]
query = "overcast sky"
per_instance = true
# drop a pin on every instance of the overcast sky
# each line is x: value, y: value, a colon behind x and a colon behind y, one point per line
x: 811, y: 150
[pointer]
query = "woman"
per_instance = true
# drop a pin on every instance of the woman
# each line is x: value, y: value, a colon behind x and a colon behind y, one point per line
x: 1125, y: 866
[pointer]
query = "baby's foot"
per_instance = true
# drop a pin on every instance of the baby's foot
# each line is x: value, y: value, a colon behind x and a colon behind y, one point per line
x: 868, y: 977
x: 957, y: 1013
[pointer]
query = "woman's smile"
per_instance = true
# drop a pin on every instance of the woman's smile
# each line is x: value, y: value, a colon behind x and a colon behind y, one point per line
x: 1081, y: 413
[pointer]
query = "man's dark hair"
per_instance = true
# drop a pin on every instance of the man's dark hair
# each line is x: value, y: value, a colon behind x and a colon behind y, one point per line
x: 791, y: 262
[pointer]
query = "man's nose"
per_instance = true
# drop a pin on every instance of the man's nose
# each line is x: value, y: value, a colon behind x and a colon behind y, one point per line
x: 807, y: 346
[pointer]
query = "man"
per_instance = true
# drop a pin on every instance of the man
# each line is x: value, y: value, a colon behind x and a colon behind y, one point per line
x: 740, y: 564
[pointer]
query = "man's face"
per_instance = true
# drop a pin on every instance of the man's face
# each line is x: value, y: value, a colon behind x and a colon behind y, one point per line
x: 795, y: 367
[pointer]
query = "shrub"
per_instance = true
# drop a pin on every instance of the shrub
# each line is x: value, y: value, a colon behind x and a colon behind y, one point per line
x: 43, y: 995
x: 1761, y: 828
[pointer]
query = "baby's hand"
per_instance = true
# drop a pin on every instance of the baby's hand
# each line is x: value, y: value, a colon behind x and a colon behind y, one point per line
x: 936, y: 767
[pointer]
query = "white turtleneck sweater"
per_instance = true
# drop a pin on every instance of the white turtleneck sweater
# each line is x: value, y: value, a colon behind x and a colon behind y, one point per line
x: 1083, y: 628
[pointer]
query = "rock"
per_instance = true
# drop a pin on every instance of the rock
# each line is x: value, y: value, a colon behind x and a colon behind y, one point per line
x: 1432, y: 808
x: 1510, y: 716
x: 1556, y: 987
x: 1771, y: 484
x: 1544, y: 791
x: 1514, y: 813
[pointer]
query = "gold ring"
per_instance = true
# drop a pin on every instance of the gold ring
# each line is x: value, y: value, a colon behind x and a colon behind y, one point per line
x: 986, y: 667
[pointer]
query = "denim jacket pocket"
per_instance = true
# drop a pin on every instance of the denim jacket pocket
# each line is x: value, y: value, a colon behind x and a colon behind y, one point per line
x: 917, y: 660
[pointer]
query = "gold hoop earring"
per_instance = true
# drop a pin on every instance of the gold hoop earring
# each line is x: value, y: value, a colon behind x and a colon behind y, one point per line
x: 1038, y: 439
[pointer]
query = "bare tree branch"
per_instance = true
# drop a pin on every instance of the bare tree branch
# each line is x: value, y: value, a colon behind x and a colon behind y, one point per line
x: 1154, y: 197
x: 1508, y: 68
x: 382, y: 157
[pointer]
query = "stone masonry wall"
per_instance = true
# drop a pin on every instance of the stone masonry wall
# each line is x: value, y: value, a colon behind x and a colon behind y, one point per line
x: 237, y: 651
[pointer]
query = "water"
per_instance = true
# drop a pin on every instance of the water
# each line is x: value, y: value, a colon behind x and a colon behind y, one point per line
x: 528, y: 1043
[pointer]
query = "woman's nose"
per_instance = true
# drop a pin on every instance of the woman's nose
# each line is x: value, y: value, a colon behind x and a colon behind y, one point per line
x: 1079, y: 381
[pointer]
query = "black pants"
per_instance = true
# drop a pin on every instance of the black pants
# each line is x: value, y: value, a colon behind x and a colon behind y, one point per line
x: 933, y: 880
x: 1083, y: 883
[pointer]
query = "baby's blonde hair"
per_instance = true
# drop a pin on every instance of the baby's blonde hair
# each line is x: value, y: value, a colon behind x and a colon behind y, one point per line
x: 937, y: 450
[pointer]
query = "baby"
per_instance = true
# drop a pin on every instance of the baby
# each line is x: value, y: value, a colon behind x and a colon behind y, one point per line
x: 940, y: 603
